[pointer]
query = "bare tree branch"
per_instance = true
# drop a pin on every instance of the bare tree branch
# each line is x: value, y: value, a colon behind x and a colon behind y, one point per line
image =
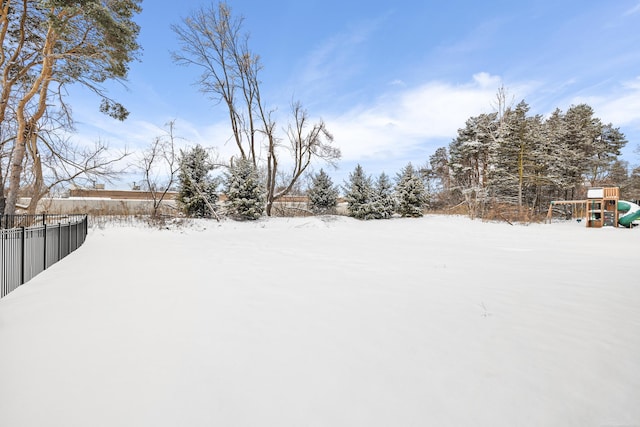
x: 160, y: 166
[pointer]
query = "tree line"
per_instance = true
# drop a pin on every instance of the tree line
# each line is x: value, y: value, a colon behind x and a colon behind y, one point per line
x: 510, y: 157
x: 245, y: 196
x: 507, y: 157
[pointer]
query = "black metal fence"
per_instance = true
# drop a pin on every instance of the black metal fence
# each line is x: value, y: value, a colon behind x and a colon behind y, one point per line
x: 35, y: 244
x: 17, y: 221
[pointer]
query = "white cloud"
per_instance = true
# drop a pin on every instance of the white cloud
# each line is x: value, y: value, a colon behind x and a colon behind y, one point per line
x: 336, y: 59
x: 413, y: 118
x: 620, y: 107
x: 632, y: 11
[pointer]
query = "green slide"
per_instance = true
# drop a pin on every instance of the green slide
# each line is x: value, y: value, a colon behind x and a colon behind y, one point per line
x: 631, y: 213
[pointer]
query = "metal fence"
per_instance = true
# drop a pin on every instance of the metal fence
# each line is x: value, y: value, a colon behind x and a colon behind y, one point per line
x: 35, y: 245
x: 17, y: 221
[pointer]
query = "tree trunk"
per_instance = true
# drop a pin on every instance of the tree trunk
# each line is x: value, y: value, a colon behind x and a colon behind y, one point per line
x: 272, y: 168
x: 38, y: 191
x: 520, y: 175
x: 2, y: 199
x: 27, y: 125
x: 15, y: 173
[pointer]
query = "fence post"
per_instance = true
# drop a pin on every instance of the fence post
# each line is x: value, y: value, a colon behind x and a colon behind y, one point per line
x: 23, y: 256
x: 44, y: 267
x: 59, y: 242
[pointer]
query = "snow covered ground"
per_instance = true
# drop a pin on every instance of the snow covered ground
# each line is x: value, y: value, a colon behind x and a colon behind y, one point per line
x: 439, y: 321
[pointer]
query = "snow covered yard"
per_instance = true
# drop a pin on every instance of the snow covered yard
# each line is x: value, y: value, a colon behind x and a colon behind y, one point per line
x: 439, y: 321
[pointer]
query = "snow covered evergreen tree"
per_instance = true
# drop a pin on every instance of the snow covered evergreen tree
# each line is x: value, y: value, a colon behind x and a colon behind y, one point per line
x: 511, y: 157
x: 633, y: 184
x: 410, y: 192
x: 384, y: 203
x: 516, y: 168
x: 323, y: 195
x: 359, y: 195
x: 197, y: 192
x: 469, y: 161
x: 599, y: 144
x: 245, y: 191
x: 561, y: 161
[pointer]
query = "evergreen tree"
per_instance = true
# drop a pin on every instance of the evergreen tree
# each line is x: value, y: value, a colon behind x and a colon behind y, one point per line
x: 470, y: 152
x: 323, y: 196
x: 563, y: 164
x: 527, y: 161
x: 618, y: 176
x: 410, y: 192
x: 245, y: 191
x: 633, y: 185
x: 439, y: 168
x: 359, y: 195
x: 384, y: 203
x: 469, y: 160
x: 197, y: 193
x: 597, y: 144
x: 512, y: 158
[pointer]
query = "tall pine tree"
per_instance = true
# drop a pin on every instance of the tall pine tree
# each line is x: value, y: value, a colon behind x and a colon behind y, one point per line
x: 512, y: 158
x: 469, y: 161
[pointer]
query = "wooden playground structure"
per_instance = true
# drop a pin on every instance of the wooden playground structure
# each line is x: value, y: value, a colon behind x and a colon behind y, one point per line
x: 600, y: 209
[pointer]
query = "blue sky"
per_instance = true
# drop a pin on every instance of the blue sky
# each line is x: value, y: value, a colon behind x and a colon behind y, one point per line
x: 392, y: 80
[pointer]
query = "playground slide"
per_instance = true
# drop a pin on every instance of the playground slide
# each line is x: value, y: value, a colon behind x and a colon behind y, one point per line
x: 631, y: 213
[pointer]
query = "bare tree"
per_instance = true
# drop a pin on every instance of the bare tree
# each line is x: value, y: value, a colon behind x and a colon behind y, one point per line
x: 307, y: 142
x: 63, y: 163
x: 502, y: 103
x: 212, y: 40
x: 160, y: 166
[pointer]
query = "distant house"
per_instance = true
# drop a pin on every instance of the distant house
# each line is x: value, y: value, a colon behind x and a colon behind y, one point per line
x: 101, y: 193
